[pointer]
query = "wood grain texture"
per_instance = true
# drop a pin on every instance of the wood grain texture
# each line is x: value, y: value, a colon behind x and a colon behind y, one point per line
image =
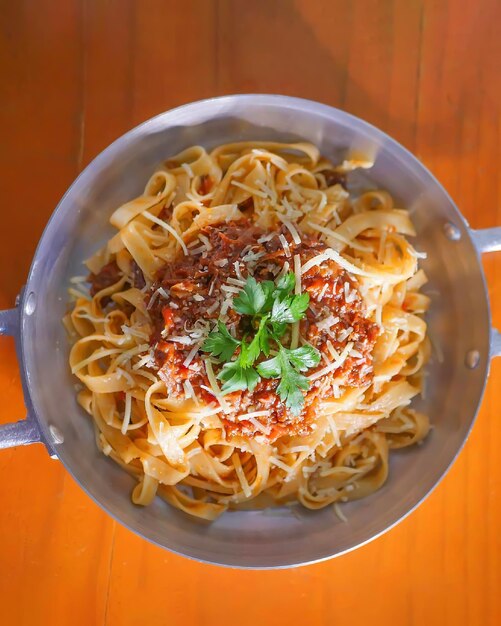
x: 75, y: 75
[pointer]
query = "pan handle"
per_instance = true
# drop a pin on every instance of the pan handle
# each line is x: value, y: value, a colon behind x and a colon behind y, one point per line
x: 495, y: 343
x: 25, y: 431
x: 489, y: 240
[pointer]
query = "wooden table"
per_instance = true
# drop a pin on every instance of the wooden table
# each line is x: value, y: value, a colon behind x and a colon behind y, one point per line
x: 77, y: 74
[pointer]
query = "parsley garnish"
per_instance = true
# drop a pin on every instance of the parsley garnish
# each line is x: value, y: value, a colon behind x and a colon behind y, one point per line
x: 268, y: 309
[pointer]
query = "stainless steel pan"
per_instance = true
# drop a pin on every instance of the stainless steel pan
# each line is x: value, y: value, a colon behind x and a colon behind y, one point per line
x: 460, y: 325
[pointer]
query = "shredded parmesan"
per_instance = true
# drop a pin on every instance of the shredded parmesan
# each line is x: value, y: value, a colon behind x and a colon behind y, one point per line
x: 235, y: 281
x: 215, y: 387
x: 187, y: 168
x: 285, y: 245
x: 213, y: 307
x: 251, y: 190
x: 168, y: 228
x: 332, y: 255
x: 280, y: 464
x: 241, y: 475
x: 297, y: 272
x: 292, y: 229
x: 127, y: 412
x: 189, y: 392
x: 331, y: 233
x: 334, y: 430
x: 336, y: 364
x: 246, y: 416
x: 191, y: 356
x: 339, y: 513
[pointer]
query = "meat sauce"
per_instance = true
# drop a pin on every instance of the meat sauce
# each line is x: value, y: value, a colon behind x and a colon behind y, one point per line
x: 335, y: 317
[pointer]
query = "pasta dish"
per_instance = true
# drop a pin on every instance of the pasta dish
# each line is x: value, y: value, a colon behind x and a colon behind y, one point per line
x: 252, y: 334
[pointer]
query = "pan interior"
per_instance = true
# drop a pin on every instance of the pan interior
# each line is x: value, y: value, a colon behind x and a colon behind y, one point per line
x: 458, y: 322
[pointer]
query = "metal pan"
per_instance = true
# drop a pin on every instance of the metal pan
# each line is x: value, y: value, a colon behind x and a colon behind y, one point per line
x: 459, y: 322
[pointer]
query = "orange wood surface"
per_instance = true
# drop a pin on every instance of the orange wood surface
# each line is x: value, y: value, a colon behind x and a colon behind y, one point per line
x: 76, y: 74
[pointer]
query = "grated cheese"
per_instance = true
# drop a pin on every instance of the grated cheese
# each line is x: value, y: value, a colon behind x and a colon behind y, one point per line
x: 230, y: 289
x: 245, y: 416
x: 236, y: 265
x: 292, y: 229
x: 191, y: 356
x: 251, y: 190
x: 327, y: 322
x: 266, y: 238
x: 241, y: 475
x: 258, y: 426
x: 133, y: 332
x: 285, y: 245
x: 187, y: 168
x: 331, y: 233
x: 334, y: 430
x: 336, y: 364
x: 189, y: 392
x: 339, y: 513
x: 123, y: 374
x: 127, y: 412
x: 281, y: 464
x: 235, y: 281
x: 215, y: 390
x: 206, y: 241
x: 299, y: 449
x: 145, y: 360
x: 78, y: 279
x: 213, y: 307
x: 168, y: 228
x: 76, y: 293
x: 297, y: 272
x: 332, y: 255
x: 182, y: 339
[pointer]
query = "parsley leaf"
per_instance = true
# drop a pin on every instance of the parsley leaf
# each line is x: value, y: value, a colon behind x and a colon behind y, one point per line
x: 304, y: 357
x: 238, y: 378
x: 220, y: 343
x: 285, y: 285
x: 270, y: 308
x: 269, y: 291
x: 249, y: 352
x: 251, y: 299
x: 291, y: 309
x: 287, y: 366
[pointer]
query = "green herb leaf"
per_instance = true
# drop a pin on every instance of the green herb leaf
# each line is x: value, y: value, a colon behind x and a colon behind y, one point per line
x: 238, y: 378
x: 304, y: 357
x: 299, y: 306
x: 271, y: 308
x: 269, y: 292
x: 251, y: 299
x: 287, y: 366
x: 272, y: 368
x: 286, y: 284
x: 220, y: 343
x: 291, y: 309
x: 264, y: 341
x: 290, y: 387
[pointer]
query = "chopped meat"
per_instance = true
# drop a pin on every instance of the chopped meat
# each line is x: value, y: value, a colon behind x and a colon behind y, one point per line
x: 334, y: 178
x: 107, y: 276
x: 194, y: 285
x: 137, y: 276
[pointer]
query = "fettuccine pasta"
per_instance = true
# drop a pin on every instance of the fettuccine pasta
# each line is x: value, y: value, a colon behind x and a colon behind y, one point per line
x: 253, y: 333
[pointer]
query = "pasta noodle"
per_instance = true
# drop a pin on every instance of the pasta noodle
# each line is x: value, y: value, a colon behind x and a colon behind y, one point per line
x: 182, y: 254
